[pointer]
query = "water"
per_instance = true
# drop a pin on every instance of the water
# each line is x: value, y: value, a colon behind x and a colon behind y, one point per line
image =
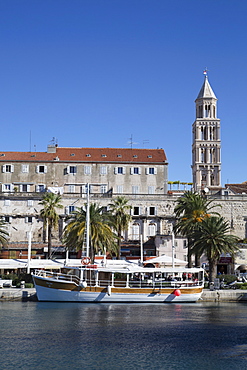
x: 36, y: 335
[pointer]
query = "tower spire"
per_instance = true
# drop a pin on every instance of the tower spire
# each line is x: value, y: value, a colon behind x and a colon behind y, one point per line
x: 206, y: 147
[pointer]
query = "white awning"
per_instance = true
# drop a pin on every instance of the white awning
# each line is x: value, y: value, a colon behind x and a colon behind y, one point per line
x: 167, y: 260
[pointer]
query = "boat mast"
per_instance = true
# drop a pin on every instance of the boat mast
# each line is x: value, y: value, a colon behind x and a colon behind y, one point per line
x: 87, y: 222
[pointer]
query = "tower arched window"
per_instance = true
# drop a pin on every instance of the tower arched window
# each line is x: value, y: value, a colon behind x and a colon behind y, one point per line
x: 204, y: 179
x: 212, y: 179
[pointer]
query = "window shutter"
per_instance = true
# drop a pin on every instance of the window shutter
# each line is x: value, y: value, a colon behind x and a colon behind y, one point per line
x: 131, y: 170
x: 4, y: 168
x: 139, y: 170
x: 66, y: 210
x: 37, y: 169
x: 115, y: 170
x: 11, y: 168
x: 45, y: 169
x: 26, y: 219
x: 124, y: 170
x: 37, y: 188
x: 67, y: 170
x: 147, y: 171
x: 155, y: 171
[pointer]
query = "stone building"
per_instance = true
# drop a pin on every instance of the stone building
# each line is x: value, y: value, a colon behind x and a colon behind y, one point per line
x: 141, y: 175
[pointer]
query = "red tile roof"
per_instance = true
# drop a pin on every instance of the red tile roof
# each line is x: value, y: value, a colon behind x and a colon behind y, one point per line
x: 88, y: 155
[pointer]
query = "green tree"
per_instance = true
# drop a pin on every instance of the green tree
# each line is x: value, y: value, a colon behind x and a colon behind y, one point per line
x: 190, y: 211
x: 3, y: 234
x: 50, y: 202
x: 212, y: 238
x: 120, y: 210
x: 101, y: 236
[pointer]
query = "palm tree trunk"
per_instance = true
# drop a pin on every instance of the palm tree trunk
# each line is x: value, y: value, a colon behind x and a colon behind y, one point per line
x: 49, y: 240
x: 212, y: 269
x: 189, y: 253
x: 119, y: 244
x: 92, y: 253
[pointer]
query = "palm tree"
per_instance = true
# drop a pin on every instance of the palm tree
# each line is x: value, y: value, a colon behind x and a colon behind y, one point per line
x: 190, y: 211
x: 121, y: 218
x: 101, y: 236
x: 49, y: 215
x: 212, y: 238
x: 3, y: 234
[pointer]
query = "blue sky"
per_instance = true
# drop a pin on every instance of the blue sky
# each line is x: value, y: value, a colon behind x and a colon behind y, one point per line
x: 93, y: 73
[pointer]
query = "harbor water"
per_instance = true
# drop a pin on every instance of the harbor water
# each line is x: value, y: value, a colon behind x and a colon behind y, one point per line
x: 43, y: 335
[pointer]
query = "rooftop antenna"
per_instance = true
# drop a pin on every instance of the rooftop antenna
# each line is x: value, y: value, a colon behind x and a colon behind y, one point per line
x: 131, y: 142
x: 54, y: 141
x: 145, y: 142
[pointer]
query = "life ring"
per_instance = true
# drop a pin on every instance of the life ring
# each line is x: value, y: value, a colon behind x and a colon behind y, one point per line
x: 86, y: 260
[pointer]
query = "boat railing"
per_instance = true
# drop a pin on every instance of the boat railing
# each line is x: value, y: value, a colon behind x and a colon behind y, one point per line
x: 143, y: 283
x: 120, y: 283
x: 57, y: 276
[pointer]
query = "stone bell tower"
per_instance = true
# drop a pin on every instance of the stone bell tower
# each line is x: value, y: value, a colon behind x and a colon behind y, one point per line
x: 206, y: 147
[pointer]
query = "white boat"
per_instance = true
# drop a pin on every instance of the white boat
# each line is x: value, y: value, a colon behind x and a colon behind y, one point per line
x: 93, y: 283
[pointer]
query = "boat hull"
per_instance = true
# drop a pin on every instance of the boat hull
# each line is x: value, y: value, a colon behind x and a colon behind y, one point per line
x: 54, y: 291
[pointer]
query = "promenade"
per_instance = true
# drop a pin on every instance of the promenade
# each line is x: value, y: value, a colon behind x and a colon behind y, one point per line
x: 228, y: 295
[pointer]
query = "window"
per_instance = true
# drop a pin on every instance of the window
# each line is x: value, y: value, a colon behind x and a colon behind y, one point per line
x: 8, y: 219
x: 151, y: 171
x: 8, y: 168
x: 119, y: 170
x: 24, y: 188
x: 29, y: 202
x: 135, y: 170
x: 135, y: 231
x: 103, y: 155
x: 152, y: 211
x: 40, y: 188
x: 41, y: 169
x: 7, y: 202
x: 71, y: 188
x: 72, y: 170
x: 103, y: 170
x: 151, y: 190
x: 24, y: 168
x: 71, y: 209
x: 119, y: 189
x: 135, y: 189
x: 87, y: 170
x: 151, y: 229
x: 6, y: 188
x: 29, y: 219
x: 185, y: 243
x: 136, y: 211
x: 103, y: 189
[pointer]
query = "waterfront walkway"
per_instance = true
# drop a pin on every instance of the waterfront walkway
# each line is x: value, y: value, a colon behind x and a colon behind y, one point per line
x: 228, y: 295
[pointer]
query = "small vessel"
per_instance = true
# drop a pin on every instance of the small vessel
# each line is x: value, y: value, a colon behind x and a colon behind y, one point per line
x: 132, y: 283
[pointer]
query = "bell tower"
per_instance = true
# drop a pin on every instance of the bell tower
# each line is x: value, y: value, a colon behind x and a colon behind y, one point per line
x: 206, y: 147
